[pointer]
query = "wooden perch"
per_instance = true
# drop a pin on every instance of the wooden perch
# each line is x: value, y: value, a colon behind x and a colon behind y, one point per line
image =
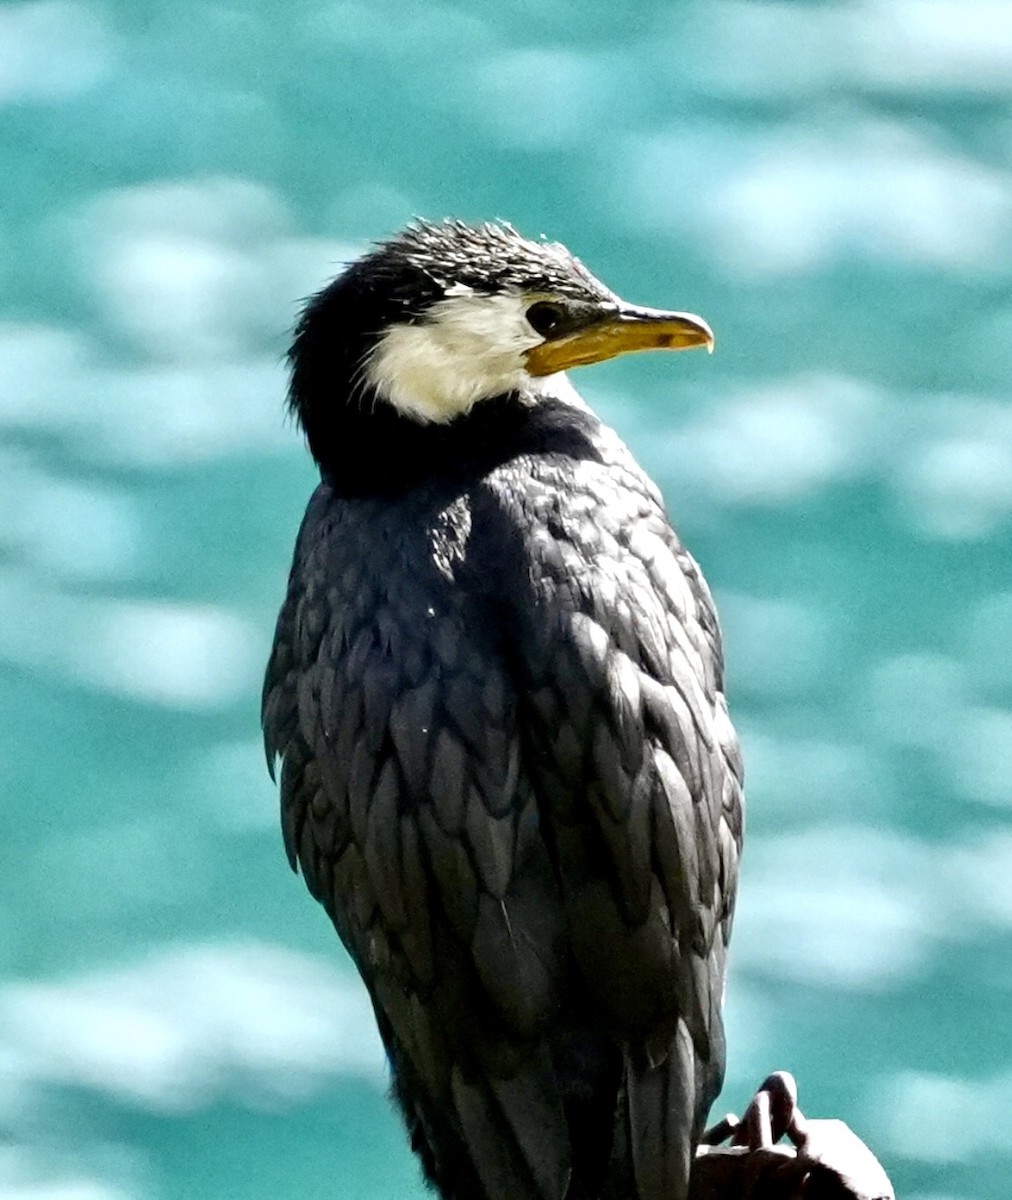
x: 825, y: 1160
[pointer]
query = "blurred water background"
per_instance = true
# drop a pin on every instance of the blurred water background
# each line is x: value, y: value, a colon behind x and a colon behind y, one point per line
x: 829, y: 184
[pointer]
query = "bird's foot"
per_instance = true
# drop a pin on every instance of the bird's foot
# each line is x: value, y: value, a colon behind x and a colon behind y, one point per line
x: 824, y: 1160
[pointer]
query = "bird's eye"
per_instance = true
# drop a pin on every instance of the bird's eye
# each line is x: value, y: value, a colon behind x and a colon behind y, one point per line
x: 544, y: 317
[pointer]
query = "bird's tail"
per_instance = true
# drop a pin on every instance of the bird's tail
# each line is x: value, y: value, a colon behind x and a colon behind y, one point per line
x: 656, y: 1126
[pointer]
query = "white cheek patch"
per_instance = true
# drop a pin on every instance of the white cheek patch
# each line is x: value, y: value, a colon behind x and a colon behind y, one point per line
x: 469, y: 347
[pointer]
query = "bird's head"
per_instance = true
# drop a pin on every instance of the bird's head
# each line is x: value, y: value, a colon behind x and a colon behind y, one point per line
x: 444, y: 316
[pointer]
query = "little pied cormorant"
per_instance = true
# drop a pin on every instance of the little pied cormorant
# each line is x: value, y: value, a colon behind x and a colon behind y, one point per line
x: 496, y: 689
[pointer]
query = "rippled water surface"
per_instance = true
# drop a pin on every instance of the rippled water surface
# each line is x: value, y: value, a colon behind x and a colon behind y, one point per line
x: 829, y: 184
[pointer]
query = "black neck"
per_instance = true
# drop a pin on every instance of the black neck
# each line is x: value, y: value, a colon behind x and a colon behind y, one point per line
x: 371, y: 449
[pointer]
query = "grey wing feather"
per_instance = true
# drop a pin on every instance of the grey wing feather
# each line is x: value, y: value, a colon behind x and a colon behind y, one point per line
x: 636, y: 761
x: 402, y: 802
x: 462, y: 814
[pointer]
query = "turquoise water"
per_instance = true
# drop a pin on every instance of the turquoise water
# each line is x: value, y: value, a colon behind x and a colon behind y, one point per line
x: 829, y: 185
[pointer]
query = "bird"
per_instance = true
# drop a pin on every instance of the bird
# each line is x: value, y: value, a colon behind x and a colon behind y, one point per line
x: 496, y: 692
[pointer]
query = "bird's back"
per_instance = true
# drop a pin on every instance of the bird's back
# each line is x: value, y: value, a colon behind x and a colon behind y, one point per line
x: 509, y: 776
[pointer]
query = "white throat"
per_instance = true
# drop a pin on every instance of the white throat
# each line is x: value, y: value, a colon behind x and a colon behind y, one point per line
x: 469, y: 347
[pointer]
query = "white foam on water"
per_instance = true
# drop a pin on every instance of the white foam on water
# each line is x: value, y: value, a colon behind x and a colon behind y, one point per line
x: 53, y: 51
x: 189, y: 1025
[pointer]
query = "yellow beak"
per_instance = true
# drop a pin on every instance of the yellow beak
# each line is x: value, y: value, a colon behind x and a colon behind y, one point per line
x: 617, y: 333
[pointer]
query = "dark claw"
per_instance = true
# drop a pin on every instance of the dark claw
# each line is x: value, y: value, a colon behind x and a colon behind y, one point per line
x: 829, y: 1159
x: 783, y: 1093
x: 771, y: 1113
x: 797, y: 1129
x: 720, y: 1132
x: 757, y: 1132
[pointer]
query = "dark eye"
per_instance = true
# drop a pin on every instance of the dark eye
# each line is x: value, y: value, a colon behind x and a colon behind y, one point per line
x: 544, y: 317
